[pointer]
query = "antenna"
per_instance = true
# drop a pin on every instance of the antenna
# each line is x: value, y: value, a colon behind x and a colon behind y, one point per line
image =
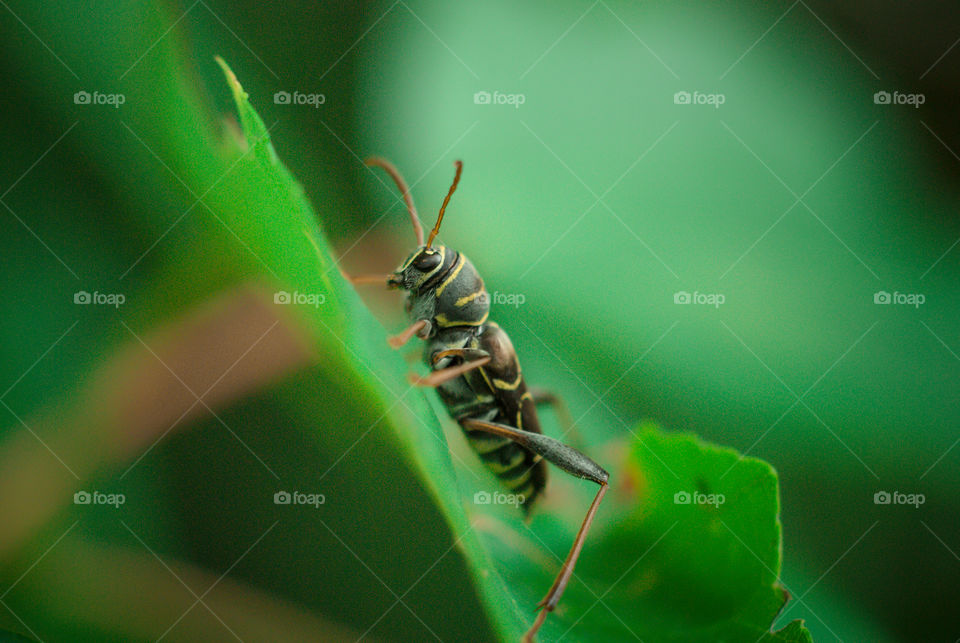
x: 407, y: 197
x: 456, y: 179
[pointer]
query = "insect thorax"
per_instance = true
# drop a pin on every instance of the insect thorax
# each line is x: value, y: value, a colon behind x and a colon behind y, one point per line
x: 454, y: 299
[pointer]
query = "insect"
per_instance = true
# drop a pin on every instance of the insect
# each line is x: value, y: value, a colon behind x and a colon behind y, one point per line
x: 477, y: 374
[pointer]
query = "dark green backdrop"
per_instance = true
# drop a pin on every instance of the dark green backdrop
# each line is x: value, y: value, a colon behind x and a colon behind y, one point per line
x: 597, y: 199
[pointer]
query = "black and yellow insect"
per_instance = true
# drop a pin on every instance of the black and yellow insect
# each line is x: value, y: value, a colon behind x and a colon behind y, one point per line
x: 477, y: 375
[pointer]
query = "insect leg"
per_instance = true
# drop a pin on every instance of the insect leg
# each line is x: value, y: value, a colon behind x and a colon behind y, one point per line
x: 437, y: 378
x: 551, y: 449
x: 574, y: 463
x: 354, y: 279
x: 556, y: 590
x: 421, y: 329
x: 359, y: 280
x: 468, y: 354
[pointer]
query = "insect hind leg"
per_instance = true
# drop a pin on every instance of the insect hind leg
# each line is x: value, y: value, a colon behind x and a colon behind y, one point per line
x: 574, y: 463
x: 550, y: 449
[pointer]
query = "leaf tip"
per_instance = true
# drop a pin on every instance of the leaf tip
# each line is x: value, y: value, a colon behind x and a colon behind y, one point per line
x: 238, y: 93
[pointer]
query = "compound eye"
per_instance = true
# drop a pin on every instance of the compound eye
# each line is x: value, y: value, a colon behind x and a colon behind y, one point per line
x: 427, y: 261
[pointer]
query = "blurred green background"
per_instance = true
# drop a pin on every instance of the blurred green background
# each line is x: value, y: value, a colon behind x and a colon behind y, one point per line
x: 598, y: 200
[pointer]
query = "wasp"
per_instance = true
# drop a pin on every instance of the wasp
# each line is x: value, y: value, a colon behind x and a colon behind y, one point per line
x: 475, y: 370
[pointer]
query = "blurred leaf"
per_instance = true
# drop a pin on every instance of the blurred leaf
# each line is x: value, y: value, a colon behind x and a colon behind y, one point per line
x: 11, y: 637
x: 309, y: 431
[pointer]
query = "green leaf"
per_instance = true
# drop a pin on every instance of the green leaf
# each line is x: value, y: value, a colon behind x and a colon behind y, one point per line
x: 256, y: 133
x: 687, y: 548
x: 675, y: 572
x: 358, y: 383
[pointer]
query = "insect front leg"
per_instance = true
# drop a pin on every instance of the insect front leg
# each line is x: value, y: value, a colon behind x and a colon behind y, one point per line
x: 421, y: 329
x: 473, y: 358
x: 356, y: 280
x: 574, y: 463
x: 467, y: 354
x: 360, y: 280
